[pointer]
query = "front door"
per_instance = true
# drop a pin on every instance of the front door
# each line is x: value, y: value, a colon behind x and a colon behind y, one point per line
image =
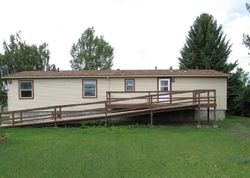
x: 164, y: 86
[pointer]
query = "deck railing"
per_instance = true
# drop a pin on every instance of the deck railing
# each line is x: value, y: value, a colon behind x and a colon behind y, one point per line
x: 116, y: 102
x: 170, y: 97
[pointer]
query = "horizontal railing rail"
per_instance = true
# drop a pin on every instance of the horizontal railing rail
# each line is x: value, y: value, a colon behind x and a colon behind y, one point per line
x: 116, y: 102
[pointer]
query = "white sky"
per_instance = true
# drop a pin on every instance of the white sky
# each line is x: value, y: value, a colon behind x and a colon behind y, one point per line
x: 143, y: 33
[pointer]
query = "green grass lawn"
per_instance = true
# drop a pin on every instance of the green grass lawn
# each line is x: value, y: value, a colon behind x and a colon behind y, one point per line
x: 128, y: 151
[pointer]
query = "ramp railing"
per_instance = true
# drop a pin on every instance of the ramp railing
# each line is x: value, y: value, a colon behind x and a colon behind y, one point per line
x: 116, y: 102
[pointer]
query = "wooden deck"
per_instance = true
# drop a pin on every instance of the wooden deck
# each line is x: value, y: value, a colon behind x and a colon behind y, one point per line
x: 149, y: 102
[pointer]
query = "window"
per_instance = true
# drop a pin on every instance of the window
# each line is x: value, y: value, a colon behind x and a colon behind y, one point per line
x: 129, y: 85
x: 89, y: 88
x: 164, y: 84
x: 26, y: 89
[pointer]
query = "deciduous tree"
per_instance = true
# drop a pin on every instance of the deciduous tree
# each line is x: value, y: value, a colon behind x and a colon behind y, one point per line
x: 19, y: 56
x: 91, y: 52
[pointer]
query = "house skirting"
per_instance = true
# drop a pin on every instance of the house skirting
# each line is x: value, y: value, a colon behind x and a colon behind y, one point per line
x: 220, y: 114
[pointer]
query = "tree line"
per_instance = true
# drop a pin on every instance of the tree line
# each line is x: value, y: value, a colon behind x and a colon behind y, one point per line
x: 206, y: 47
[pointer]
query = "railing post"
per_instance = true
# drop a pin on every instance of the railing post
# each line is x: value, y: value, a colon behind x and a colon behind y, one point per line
x: 193, y: 97
x: 199, y: 95
x: 170, y: 95
x: 215, y: 126
x: 151, y: 112
x: 60, y: 113
x: 21, y: 116
x: 108, y: 95
x: 106, y: 113
x: 208, y: 97
x: 148, y: 97
x: 55, y: 115
x: 13, y: 118
x: 215, y: 97
x: 158, y: 96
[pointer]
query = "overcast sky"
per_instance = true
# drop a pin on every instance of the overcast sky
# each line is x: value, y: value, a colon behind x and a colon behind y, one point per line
x: 143, y: 33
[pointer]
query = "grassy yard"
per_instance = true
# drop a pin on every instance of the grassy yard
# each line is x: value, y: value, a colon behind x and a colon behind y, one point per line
x: 128, y: 151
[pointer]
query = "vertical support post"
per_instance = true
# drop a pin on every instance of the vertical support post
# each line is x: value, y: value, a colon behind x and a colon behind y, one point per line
x: 151, y: 118
x: 208, y: 115
x: 21, y: 116
x: 194, y: 115
x: 13, y: 119
x: 0, y: 119
x: 215, y: 126
x: 199, y: 116
x: 215, y: 116
x: 106, y: 114
x: 55, y: 116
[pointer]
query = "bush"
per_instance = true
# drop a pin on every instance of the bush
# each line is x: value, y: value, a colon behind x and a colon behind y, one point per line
x: 2, y: 134
x: 245, y: 111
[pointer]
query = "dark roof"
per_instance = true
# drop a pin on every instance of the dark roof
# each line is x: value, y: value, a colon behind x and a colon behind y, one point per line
x: 115, y: 73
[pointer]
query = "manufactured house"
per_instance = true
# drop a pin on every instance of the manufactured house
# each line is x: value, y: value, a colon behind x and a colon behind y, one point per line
x: 34, y: 89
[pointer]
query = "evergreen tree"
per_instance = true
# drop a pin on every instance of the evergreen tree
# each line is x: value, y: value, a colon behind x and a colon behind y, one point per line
x: 91, y: 52
x: 246, y: 102
x: 236, y: 86
x: 206, y: 47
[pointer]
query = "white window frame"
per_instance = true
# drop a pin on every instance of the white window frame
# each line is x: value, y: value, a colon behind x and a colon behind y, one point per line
x: 20, y: 89
x: 126, y: 85
x: 83, y: 88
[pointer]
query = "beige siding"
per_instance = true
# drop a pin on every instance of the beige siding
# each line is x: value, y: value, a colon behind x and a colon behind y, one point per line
x: 49, y: 92
x: 141, y: 84
x: 220, y: 84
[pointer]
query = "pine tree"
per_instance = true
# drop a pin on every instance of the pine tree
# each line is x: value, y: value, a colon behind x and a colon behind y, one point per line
x: 206, y: 46
x: 235, y: 91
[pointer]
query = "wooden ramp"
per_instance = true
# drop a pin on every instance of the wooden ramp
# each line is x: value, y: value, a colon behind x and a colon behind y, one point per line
x: 151, y: 103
